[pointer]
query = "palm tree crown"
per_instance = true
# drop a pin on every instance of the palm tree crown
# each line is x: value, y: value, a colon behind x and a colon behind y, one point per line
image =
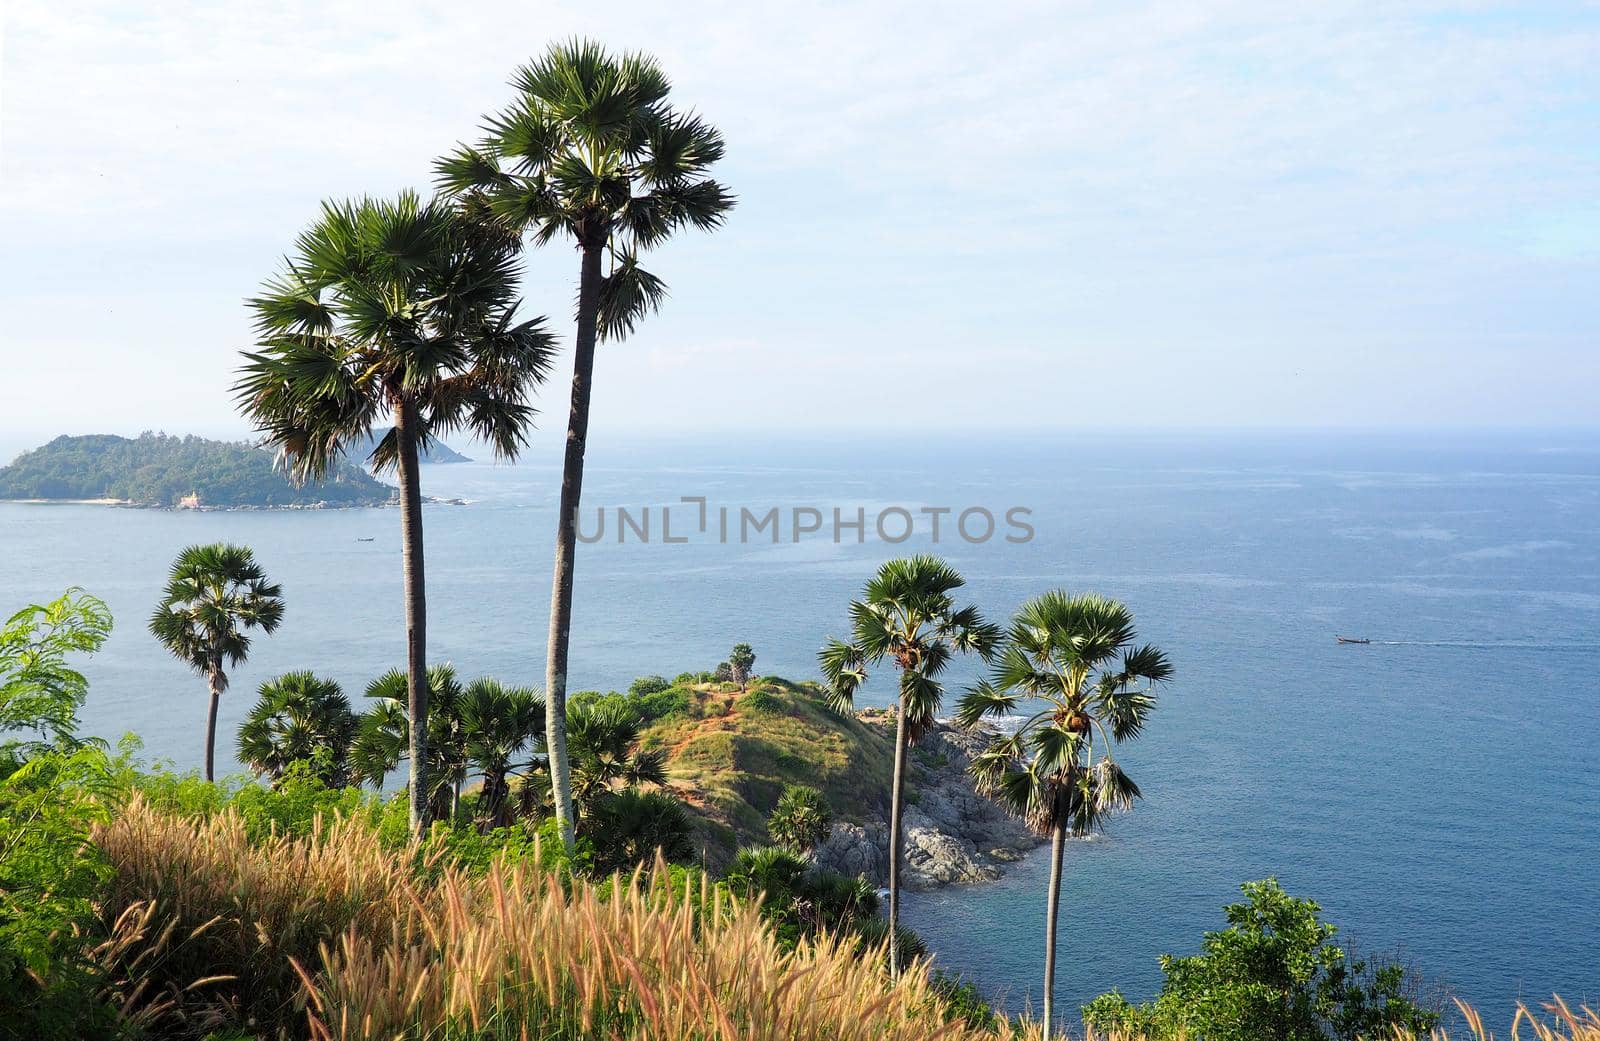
x: 388, y: 305
x: 214, y: 595
x: 300, y: 718
x: 592, y: 149
x: 1077, y: 655
x: 907, y: 613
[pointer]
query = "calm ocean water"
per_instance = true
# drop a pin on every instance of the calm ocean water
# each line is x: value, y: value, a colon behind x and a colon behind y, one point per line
x: 1438, y: 790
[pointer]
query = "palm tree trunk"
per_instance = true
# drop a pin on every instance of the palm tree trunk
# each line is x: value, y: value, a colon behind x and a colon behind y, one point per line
x: 405, y: 423
x: 896, y: 840
x: 214, y: 682
x: 1058, y: 842
x: 555, y: 676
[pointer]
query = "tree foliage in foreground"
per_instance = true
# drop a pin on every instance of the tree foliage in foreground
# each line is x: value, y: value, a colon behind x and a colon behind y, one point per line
x: 1273, y: 975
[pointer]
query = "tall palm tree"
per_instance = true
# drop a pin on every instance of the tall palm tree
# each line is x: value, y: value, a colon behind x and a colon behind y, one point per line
x: 214, y: 595
x: 401, y: 312
x: 384, y: 738
x: 906, y: 614
x: 592, y: 150
x: 1057, y: 771
x: 498, y: 722
x: 300, y: 718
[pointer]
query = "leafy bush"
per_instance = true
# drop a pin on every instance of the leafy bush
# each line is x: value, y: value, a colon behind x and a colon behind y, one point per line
x: 1272, y: 975
x: 801, y: 821
x: 39, y: 694
x: 628, y: 827
x: 646, y: 685
x: 761, y: 699
x: 801, y: 901
x: 963, y: 1001
x: 50, y: 874
x: 663, y: 704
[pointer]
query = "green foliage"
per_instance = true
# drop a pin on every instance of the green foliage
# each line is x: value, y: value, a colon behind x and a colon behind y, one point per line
x: 761, y: 699
x: 963, y: 1001
x: 50, y: 874
x: 801, y: 821
x: 1273, y: 975
x: 740, y: 661
x: 39, y: 693
x: 646, y: 685
x: 628, y: 827
x: 299, y: 719
x: 157, y: 470
x: 801, y: 901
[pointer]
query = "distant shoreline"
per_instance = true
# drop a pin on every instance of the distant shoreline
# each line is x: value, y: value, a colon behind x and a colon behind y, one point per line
x: 129, y: 504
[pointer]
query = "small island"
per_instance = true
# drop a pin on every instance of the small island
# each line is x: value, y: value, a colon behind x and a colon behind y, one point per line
x: 159, y: 470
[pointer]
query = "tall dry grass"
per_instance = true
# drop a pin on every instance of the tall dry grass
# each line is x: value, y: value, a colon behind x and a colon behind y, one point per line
x: 208, y: 921
x: 335, y: 937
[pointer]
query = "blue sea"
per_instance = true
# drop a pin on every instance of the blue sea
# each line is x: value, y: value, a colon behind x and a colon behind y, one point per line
x: 1438, y: 791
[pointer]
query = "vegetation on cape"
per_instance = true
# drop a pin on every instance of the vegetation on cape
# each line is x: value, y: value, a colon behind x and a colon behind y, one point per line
x: 162, y: 470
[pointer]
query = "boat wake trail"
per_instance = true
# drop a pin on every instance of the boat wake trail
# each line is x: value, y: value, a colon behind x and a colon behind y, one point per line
x: 1508, y: 645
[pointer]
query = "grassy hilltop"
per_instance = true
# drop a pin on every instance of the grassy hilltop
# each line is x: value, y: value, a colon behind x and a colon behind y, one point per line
x: 730, y: 754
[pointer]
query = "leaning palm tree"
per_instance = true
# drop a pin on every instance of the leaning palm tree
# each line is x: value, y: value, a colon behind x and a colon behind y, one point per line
x: 907, y: 614
x: 1057, y: 771
x: 400, y: 312
x: 214, y: 595
x: 589, y: 149
x: 498, y: 722
x: 299, y: 718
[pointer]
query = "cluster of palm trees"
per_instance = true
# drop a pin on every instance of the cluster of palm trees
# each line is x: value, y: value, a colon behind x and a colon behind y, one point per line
x: 1069, y: 672
x: 401, y: 316
x: 217, y: 594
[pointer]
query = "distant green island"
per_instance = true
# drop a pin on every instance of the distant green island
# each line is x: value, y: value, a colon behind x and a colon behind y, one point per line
x: 162, y: 470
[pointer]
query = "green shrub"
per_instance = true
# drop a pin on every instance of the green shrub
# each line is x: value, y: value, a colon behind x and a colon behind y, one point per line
x: 1272, y: 975
x: 663, y: 704
x: 963, y: 1001
x: 628, y: 827
x: 802, y: 820
x: 50, y: 874
x: 646, y: 685
x: 761, y: 699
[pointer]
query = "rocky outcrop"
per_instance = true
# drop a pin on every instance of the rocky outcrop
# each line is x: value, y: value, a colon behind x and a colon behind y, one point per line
x: 953, y: 836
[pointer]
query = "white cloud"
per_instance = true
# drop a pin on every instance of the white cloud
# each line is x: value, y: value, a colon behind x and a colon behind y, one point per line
x: 1239, y: 201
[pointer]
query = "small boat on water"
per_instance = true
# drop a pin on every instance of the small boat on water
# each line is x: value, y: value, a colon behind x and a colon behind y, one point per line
x: 1351, y: 639
x: 369, y: 540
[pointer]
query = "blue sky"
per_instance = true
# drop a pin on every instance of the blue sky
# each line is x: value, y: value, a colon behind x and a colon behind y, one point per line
x: 1175, y: 214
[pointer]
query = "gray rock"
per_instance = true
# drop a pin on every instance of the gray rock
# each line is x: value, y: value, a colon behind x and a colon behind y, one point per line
x: 953, y: 836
